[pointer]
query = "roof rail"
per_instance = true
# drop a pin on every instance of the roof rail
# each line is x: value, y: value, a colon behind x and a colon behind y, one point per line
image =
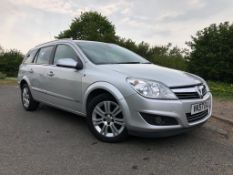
x: 53, y: 41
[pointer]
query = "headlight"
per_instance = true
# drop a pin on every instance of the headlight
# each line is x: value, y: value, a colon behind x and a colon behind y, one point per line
x: 151, y: 89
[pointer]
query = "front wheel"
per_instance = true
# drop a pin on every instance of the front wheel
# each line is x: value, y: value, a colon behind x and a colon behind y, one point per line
x: 105, y: 119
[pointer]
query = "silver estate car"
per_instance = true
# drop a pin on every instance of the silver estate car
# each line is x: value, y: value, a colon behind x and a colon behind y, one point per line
x: 118, y: 91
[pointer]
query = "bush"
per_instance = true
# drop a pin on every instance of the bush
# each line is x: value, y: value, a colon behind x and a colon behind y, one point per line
x: 166, y: 56
x: 10, y: 61
x: 2, y: 76
x: 212, y: 53
x: 220, y: 89
x: 172, y: 62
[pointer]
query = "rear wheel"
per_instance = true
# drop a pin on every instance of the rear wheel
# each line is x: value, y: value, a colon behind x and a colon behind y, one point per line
x: 105, y: 119
x: 28, y: 102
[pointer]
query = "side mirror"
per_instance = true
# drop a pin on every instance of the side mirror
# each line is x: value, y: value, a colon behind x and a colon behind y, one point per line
x: 69, y: 63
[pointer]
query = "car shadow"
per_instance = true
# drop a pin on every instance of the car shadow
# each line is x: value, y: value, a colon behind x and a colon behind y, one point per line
x: 75, y: 121
x: 60, y: 114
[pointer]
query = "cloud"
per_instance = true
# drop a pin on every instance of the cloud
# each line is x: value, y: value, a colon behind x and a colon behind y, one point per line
x: 25, y: 23
x: 196, y: 10
x: 56, y: 6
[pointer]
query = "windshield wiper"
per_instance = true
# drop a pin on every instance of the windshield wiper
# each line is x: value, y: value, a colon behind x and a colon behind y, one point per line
x: 129, y: 62
x: 146, y: 63
x: 133, y: 62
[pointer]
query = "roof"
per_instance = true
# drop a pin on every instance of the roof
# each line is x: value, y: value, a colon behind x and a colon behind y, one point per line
x: 64, y: 39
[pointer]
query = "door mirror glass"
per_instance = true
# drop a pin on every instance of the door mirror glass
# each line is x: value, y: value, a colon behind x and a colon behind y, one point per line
x: 69, y: 63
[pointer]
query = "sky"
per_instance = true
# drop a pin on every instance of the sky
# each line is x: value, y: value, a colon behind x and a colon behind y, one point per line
x: 26, y: 23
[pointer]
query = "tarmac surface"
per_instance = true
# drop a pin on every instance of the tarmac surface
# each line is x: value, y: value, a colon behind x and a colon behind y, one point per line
x: 53, y: 142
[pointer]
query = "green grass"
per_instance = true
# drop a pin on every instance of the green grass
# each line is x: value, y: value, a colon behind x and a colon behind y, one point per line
x: 221, y: 90
x: 8, y: 81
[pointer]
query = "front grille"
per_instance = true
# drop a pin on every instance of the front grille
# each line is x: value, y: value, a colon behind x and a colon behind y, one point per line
x: 196, y: 117
x: 158, y: 119
x: 187, y: 95
x: 190, y: 92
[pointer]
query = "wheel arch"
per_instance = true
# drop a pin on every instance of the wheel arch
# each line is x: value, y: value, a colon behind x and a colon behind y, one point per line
x: 23, y: 81
x: 98, y: 88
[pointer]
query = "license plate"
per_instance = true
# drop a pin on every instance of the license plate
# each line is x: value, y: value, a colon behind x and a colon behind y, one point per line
x: 200, y: 107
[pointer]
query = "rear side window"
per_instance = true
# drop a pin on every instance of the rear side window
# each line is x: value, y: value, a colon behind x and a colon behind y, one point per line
x: 44, y: 55
x: 30, y: 56
x: 64, y: 51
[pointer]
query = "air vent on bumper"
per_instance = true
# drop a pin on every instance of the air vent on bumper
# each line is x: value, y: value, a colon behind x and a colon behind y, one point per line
x: 196, y: 117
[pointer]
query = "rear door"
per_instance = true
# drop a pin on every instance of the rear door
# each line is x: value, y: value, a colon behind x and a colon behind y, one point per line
x: 37, y: 71
x: 26, y: 68
x: 64, y: 85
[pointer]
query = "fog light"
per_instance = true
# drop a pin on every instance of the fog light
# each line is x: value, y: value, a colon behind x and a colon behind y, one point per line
x: 158, y: 120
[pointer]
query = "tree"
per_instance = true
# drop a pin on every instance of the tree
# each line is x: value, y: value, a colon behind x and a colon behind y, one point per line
x: 1, y: 50
x: 143, y: 49
x: 90, y: 26
x: 212, y: 52
x: 127, y: 43
x: 93, y: 26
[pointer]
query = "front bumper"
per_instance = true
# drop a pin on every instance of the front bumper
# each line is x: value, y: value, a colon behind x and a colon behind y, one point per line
x: 136, y: 104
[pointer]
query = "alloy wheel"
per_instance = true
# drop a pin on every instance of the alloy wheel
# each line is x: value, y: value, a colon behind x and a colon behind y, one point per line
x: 107, y: 119
x: 26, y: 97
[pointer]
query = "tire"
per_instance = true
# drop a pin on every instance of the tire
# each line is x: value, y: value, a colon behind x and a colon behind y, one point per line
x: 105, y: 119
x: 28, y: 102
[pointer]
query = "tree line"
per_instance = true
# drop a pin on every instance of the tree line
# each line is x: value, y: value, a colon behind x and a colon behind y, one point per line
x: 210, y: 54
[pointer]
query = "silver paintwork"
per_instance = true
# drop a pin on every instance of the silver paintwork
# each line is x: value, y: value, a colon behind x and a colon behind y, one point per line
x: 68, y: 89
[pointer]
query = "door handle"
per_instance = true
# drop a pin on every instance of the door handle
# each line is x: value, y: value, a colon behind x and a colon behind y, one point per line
x: 51, y: 74
x: 31, y: 71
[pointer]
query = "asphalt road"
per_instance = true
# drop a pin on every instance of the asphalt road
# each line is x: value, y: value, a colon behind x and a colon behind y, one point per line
x: 54, y: 142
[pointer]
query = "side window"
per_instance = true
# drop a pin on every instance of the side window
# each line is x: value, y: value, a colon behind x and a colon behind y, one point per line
x: 30, y: 56
x: 44, y: 55
x: 64, y: 51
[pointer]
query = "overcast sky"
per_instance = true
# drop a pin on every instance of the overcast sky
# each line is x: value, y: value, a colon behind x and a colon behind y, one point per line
x: 26, y: 23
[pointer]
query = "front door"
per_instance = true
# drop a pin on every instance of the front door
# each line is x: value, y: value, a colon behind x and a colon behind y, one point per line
x: 64, y: 85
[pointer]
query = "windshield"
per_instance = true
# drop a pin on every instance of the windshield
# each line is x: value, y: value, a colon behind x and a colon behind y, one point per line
x: 103, y: 53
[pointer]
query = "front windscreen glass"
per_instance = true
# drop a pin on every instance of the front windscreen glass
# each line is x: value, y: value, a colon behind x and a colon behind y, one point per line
x: 103, y: 53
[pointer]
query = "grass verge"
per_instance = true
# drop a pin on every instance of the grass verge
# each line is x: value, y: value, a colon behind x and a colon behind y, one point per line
x: 8, y: 81
x: 221, y: 90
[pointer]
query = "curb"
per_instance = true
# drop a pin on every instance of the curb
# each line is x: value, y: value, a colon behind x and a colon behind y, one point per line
x: 223, y: 119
